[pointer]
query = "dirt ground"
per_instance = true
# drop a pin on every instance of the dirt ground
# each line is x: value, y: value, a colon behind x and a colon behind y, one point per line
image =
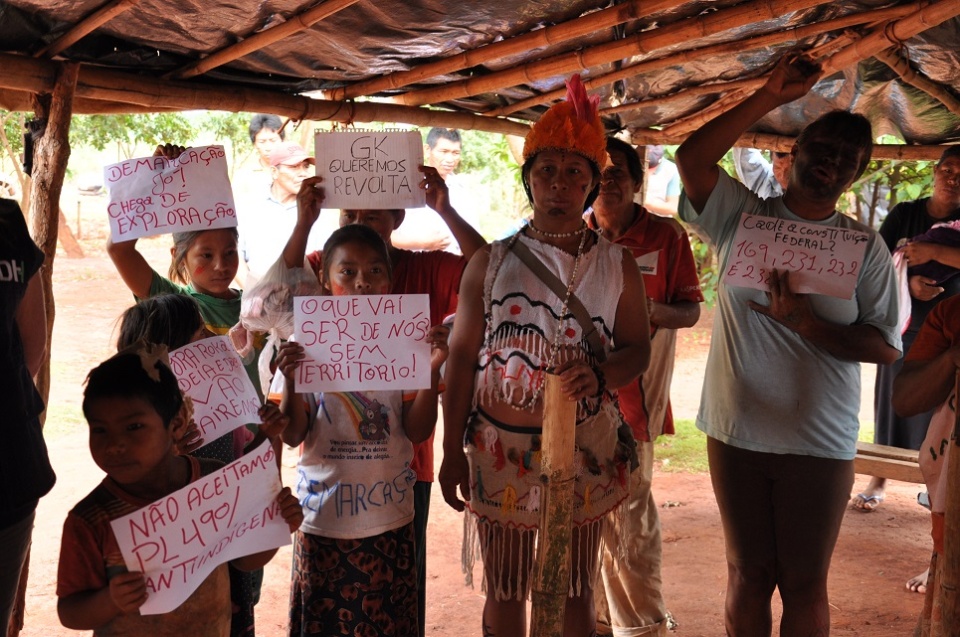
x: 876, y: 553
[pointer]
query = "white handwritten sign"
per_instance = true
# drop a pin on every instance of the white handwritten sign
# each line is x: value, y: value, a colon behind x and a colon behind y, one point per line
x: 156, y: 195
x: 821, y: 259
x: 211, y: 373
x: 365, y: 170
x: 363, y: 342
x: 177, y: 541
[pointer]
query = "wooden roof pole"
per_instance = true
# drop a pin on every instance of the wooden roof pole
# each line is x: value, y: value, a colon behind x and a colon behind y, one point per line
x: 755, y: 42
x: 684, y: 126
x: 893, y: 33
x: 90, y: 23
x: 570, y: 30
x: 637, y: 44
x: 263, y: 39
x: 748, y: 84
x: 114, y: 87
x: 783, y: 144
x: 902, y: 67
x: 693, y: 91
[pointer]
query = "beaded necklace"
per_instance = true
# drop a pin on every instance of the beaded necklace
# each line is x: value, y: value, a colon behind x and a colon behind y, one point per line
x: 555, y: 345
x: 557, y: 235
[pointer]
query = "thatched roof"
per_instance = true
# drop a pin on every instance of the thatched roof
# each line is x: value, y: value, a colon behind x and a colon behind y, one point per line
x: 661, y: 66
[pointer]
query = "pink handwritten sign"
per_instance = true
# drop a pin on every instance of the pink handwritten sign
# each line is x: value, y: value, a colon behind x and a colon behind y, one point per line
x: 363, y: 342
x: 211, y: 373
x: 177, y: 541
x: 155, y: 195
x: 821, y: 259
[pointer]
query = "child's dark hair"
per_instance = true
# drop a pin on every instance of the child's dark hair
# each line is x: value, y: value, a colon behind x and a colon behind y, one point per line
x: 355, y: 233
x: 167, y: 319
x: 124, y: 376
x: 181, y: 244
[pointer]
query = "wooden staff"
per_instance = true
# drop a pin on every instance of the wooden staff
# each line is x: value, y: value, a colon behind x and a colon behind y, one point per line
x: 950, y: 569
x: 551, y: 580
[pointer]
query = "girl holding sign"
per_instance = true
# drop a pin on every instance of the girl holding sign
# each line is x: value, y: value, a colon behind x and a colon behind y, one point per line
x: 511, y: 329
x: 354, y: 564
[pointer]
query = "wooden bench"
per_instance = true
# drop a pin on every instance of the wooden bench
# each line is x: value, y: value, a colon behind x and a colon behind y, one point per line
x: 887, y: 462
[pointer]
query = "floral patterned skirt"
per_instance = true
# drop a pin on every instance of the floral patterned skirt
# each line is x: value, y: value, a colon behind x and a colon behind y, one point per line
x: 362, y: 588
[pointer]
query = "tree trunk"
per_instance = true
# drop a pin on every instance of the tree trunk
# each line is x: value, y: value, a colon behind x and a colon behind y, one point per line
x: 51, y: 152
x: 551, y: 580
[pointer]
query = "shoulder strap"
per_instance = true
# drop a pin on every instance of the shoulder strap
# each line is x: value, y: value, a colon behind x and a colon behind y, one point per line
x: 557, y: 287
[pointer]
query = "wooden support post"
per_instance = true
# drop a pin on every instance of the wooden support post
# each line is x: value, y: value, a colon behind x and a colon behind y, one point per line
x: 551, y: 579
x: 51, y: 152
x: 949, y: 588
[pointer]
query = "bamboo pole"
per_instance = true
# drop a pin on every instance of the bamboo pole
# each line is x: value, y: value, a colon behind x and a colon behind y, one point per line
x: 264, y: 38
x: 26, y: 74
x: 752, y: 83
x: 551, y: 578
x: 676, y: 59
x: 901, y: 67
x: 949, y: 588
x: 783, y: 144
x: 684, y: 126
x: 638, y: 44
x: 892, y: 33
x: 523, y: 43
x: 90, y: 23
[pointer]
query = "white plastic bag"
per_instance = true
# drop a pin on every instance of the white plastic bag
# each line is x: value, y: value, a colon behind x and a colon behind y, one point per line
x: 268, y: 307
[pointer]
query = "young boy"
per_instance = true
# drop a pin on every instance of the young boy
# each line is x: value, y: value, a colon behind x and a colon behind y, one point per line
x: 136, y: 413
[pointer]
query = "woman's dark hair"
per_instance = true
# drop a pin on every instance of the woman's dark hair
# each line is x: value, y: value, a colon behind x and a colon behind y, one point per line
x: 630, y: 154
x: 355, y: 233
x: 124, y: 376
x: 263, y: 120
x: 849, y: 126
x: 181, y: 245
x: 168, y: 319
x: 591, y: 196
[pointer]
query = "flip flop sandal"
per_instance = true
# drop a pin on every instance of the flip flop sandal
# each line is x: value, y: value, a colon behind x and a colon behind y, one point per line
x: 866, y: 503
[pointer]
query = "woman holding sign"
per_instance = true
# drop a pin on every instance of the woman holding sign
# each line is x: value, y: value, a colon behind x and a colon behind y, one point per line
x: 782, y: 385
x: 511, y: 330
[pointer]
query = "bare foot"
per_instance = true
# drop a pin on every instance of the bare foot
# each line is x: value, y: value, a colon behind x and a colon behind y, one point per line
x: 918, y: 584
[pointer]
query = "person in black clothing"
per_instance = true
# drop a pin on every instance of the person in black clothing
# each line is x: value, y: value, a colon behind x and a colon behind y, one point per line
x: 25, y: 471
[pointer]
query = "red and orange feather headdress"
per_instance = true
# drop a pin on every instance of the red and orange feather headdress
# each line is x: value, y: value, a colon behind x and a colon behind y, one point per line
x: 573, y: 125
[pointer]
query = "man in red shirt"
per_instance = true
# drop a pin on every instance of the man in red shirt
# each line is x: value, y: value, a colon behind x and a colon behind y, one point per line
x: 633, y: 603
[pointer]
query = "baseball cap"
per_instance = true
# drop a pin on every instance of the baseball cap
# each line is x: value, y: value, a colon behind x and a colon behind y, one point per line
x: 289, y: 154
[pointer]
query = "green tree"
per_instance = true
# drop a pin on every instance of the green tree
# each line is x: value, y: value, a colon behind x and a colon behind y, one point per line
x: 127, y: 131
x: 233, y: 131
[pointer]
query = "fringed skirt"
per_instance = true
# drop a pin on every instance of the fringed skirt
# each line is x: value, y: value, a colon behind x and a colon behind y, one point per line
x: 503, y: 513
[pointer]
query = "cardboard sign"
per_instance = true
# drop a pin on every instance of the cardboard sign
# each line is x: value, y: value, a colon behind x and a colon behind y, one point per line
x: 821, y: 259
x: 369, y: 170
x: 177, y: 541
x: 155, y: 195
x: 211, y: 373
x: 363, y: 342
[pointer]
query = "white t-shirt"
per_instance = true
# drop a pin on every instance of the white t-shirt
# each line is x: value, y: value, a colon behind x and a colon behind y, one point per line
x: 766, y: 388
x: 423, y: 229
x: 265, y: 225
x: 354, y: 478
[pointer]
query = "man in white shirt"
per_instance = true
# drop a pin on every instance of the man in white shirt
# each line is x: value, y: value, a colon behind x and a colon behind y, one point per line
x: 265, y: 223
x: 424, y: 229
